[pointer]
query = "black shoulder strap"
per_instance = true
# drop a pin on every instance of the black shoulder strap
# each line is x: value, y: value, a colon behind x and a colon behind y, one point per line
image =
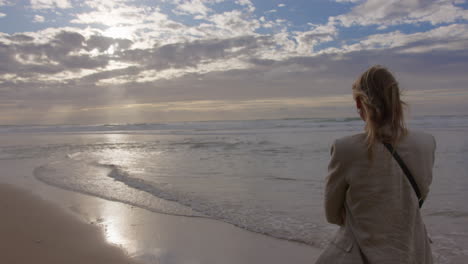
x: 407, y: 173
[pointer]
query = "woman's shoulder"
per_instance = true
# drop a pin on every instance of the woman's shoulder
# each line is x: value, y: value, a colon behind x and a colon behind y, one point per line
x: 351, y: 145
x: 352, y: 140
x: 421, y: 138
x: 419, y: 133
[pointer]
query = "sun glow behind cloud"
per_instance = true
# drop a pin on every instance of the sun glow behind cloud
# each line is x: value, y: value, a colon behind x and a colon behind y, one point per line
x: 119, y: 32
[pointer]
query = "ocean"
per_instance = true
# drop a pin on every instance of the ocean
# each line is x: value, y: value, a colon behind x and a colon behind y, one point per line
x: 265, y: 176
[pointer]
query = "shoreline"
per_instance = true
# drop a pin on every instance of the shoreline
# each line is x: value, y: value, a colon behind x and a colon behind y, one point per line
x: 150, y: 237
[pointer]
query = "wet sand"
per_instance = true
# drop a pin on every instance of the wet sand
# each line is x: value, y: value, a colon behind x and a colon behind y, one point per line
x: 35, y: 231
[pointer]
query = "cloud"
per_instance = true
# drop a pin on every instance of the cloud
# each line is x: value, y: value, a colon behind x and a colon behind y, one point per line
x: 102, y: 43
x: 114, y: 13
x: 58, y: 54
x: 39, y: 19
x: 387, y: 13
x: 247, y: 3
x: 2, y: 15
x: 451, y: 37
x: 306, y: 40
x: 229, y: 23
x: 144, y: 26
x: 195, y: 54
x: 281, y: 5
x: 17, y: 38
x: 192, y: 7
x: 50, y: 4
x: 66, y: 55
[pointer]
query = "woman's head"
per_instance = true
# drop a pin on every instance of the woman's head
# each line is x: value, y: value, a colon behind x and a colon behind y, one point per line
x: 378, y: 100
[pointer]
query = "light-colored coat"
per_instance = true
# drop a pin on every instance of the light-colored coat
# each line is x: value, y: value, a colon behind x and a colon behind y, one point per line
x: 374, y: 203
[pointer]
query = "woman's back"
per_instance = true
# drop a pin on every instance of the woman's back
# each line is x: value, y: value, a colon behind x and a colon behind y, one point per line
x: 382, y: 211
x: 367, y: 193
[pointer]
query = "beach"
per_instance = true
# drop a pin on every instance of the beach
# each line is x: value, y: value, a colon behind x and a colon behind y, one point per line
x: 61, y: 227
x: 35, y: 231
x: 220, y: 192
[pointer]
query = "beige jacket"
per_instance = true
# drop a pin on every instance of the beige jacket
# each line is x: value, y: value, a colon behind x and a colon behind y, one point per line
x: 374, y: 203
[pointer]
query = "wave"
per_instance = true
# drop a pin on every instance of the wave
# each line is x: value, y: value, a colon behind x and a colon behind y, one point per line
x: 95, y: 184
x: 172, y: 128
x: 282, y: 179
x: 238, y: 217
x: 115, y: 183
x: 247, y: 126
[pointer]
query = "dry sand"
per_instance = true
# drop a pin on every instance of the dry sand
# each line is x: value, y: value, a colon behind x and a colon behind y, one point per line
x: 35, y: 231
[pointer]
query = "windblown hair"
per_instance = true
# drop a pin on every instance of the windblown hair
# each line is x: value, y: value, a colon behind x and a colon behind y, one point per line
x: 379, y: 94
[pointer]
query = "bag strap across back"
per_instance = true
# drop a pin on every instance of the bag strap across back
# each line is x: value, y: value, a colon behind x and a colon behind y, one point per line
x: 406, y: 171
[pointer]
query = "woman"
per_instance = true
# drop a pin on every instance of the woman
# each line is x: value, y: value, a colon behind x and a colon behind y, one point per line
x: 367, y: 192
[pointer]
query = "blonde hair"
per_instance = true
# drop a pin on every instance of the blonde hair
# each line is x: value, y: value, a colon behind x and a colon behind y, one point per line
x: 379, y: 94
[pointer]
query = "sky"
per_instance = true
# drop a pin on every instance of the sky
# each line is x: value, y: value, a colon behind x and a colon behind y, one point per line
x: 145, y: 61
